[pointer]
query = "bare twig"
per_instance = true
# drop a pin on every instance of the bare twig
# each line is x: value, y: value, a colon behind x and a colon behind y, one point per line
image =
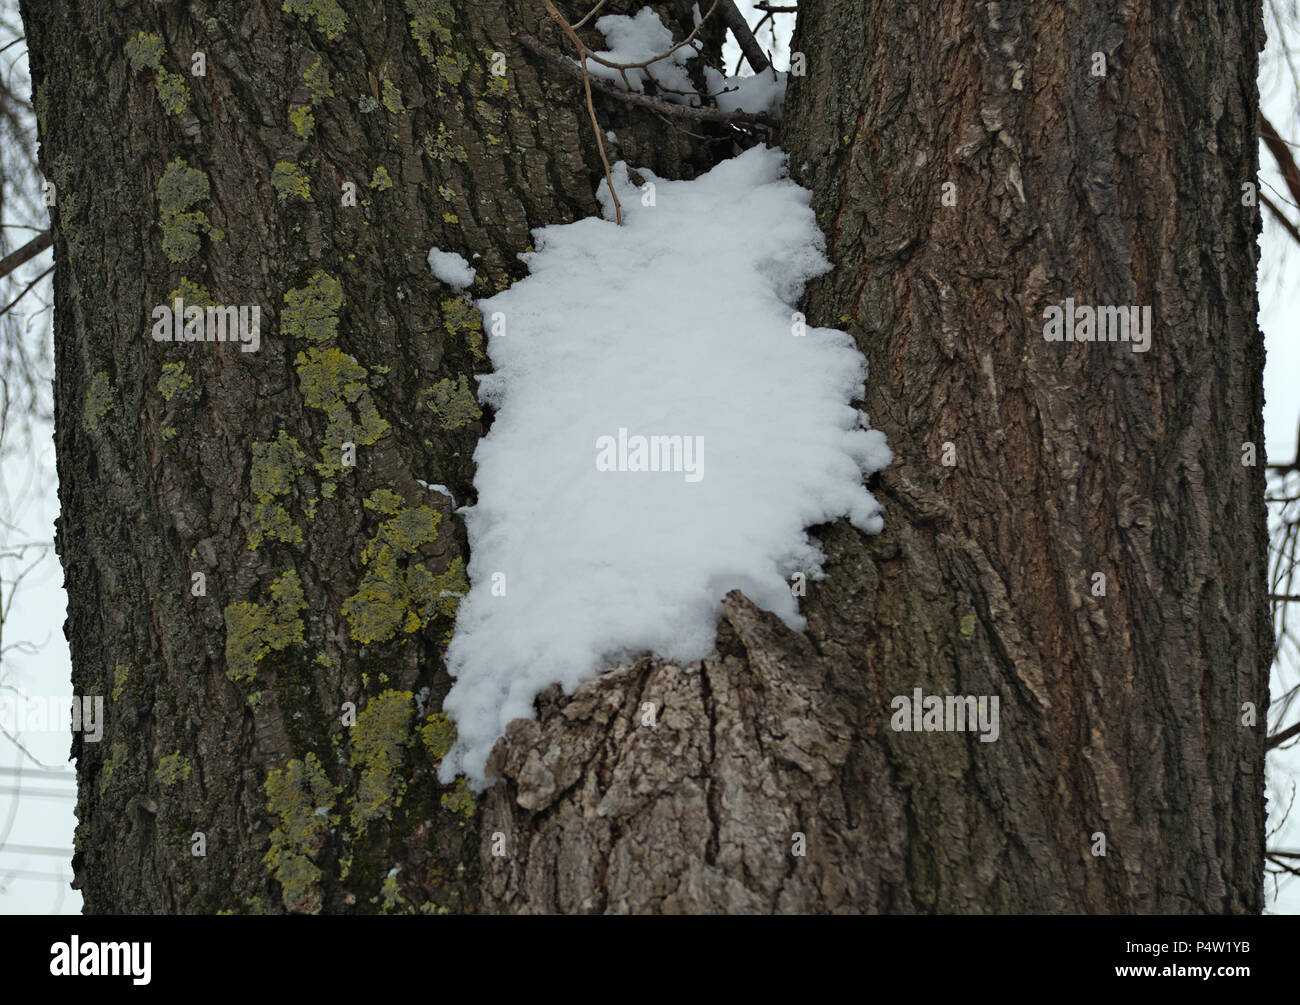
x: 26, y: 253
x: 1282, y: 737
x: 744, y: 37
x: 591, y: 109
x: 1278, y: 215
x: 1282, y: 154
x: 636, y: 98
x: 26, y: 290
x: 590, y: 14
x: 643, y: 64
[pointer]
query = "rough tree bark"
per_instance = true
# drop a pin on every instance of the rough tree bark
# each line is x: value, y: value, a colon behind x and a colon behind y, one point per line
x: 1121, y: 714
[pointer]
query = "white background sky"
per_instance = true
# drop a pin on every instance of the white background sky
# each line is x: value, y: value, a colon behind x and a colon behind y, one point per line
x: 39, y: 605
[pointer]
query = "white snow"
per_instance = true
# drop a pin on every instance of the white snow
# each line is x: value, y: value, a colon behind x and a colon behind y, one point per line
x: 451, y: 268
x: 678, y: 323
x: 760, y: 92
x: 440, y: 489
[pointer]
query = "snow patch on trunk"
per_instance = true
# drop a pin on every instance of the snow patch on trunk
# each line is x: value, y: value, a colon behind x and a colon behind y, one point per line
x: 679, y: 324
x: 451, y: 268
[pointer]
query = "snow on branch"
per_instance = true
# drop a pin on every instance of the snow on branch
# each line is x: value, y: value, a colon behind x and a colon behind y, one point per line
x: 643, y: 50
x: 691, y: 113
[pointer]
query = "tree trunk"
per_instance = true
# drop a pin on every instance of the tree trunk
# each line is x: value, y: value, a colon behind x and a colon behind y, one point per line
x: 766, y: 777
x: 177, y: 459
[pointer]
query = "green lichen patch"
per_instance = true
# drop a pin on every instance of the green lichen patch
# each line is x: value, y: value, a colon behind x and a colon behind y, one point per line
x: 381, y: 605
x: 380, y: 737
x: 392, y: 97
x: 428, y: 23
x: 440, y: 595
x: 304, y: 123
x: 393, y: 598
x: 121, y: 674
x: 391, y: 892
x: 180, y: 187
x: 145, y: 51
x: 98, y: 403
x: 253, y: 630
x: 173, y: 768
x: 384, y: 501
x: 289, y: 182
x: 299, y: 798
x: 405, y: 533
x: 312, y: 312
x: 41, y: 103
x: 173, y: 381
x: 498, y: 87
x: 460, y: 799
x: 442, y: 147
x: 192, y: 293
x: 116, y: 758
x: 173, y: 94
x: 276, y: 465
x: 452, y: 402
x: 438, y: 734
x: 381, y: 179
x: 485, y: 111
x: 272, y: 522
x: 451, y: 67
x: 317, y: 79
x: 330, y: 19
x: 334, y: 382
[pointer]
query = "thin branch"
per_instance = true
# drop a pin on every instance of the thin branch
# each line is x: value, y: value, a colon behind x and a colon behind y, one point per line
x: 744, y: 37
x: 1282, y: 866
x: 761, y: 21
x: 26, y: 290
x: 12, y: 738
x: 1282, y: 154
x: 591, y: 109
x: 1278, y: 215
x: 590, y: 14
x: 1281, y: 737
x: 26, y: 253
